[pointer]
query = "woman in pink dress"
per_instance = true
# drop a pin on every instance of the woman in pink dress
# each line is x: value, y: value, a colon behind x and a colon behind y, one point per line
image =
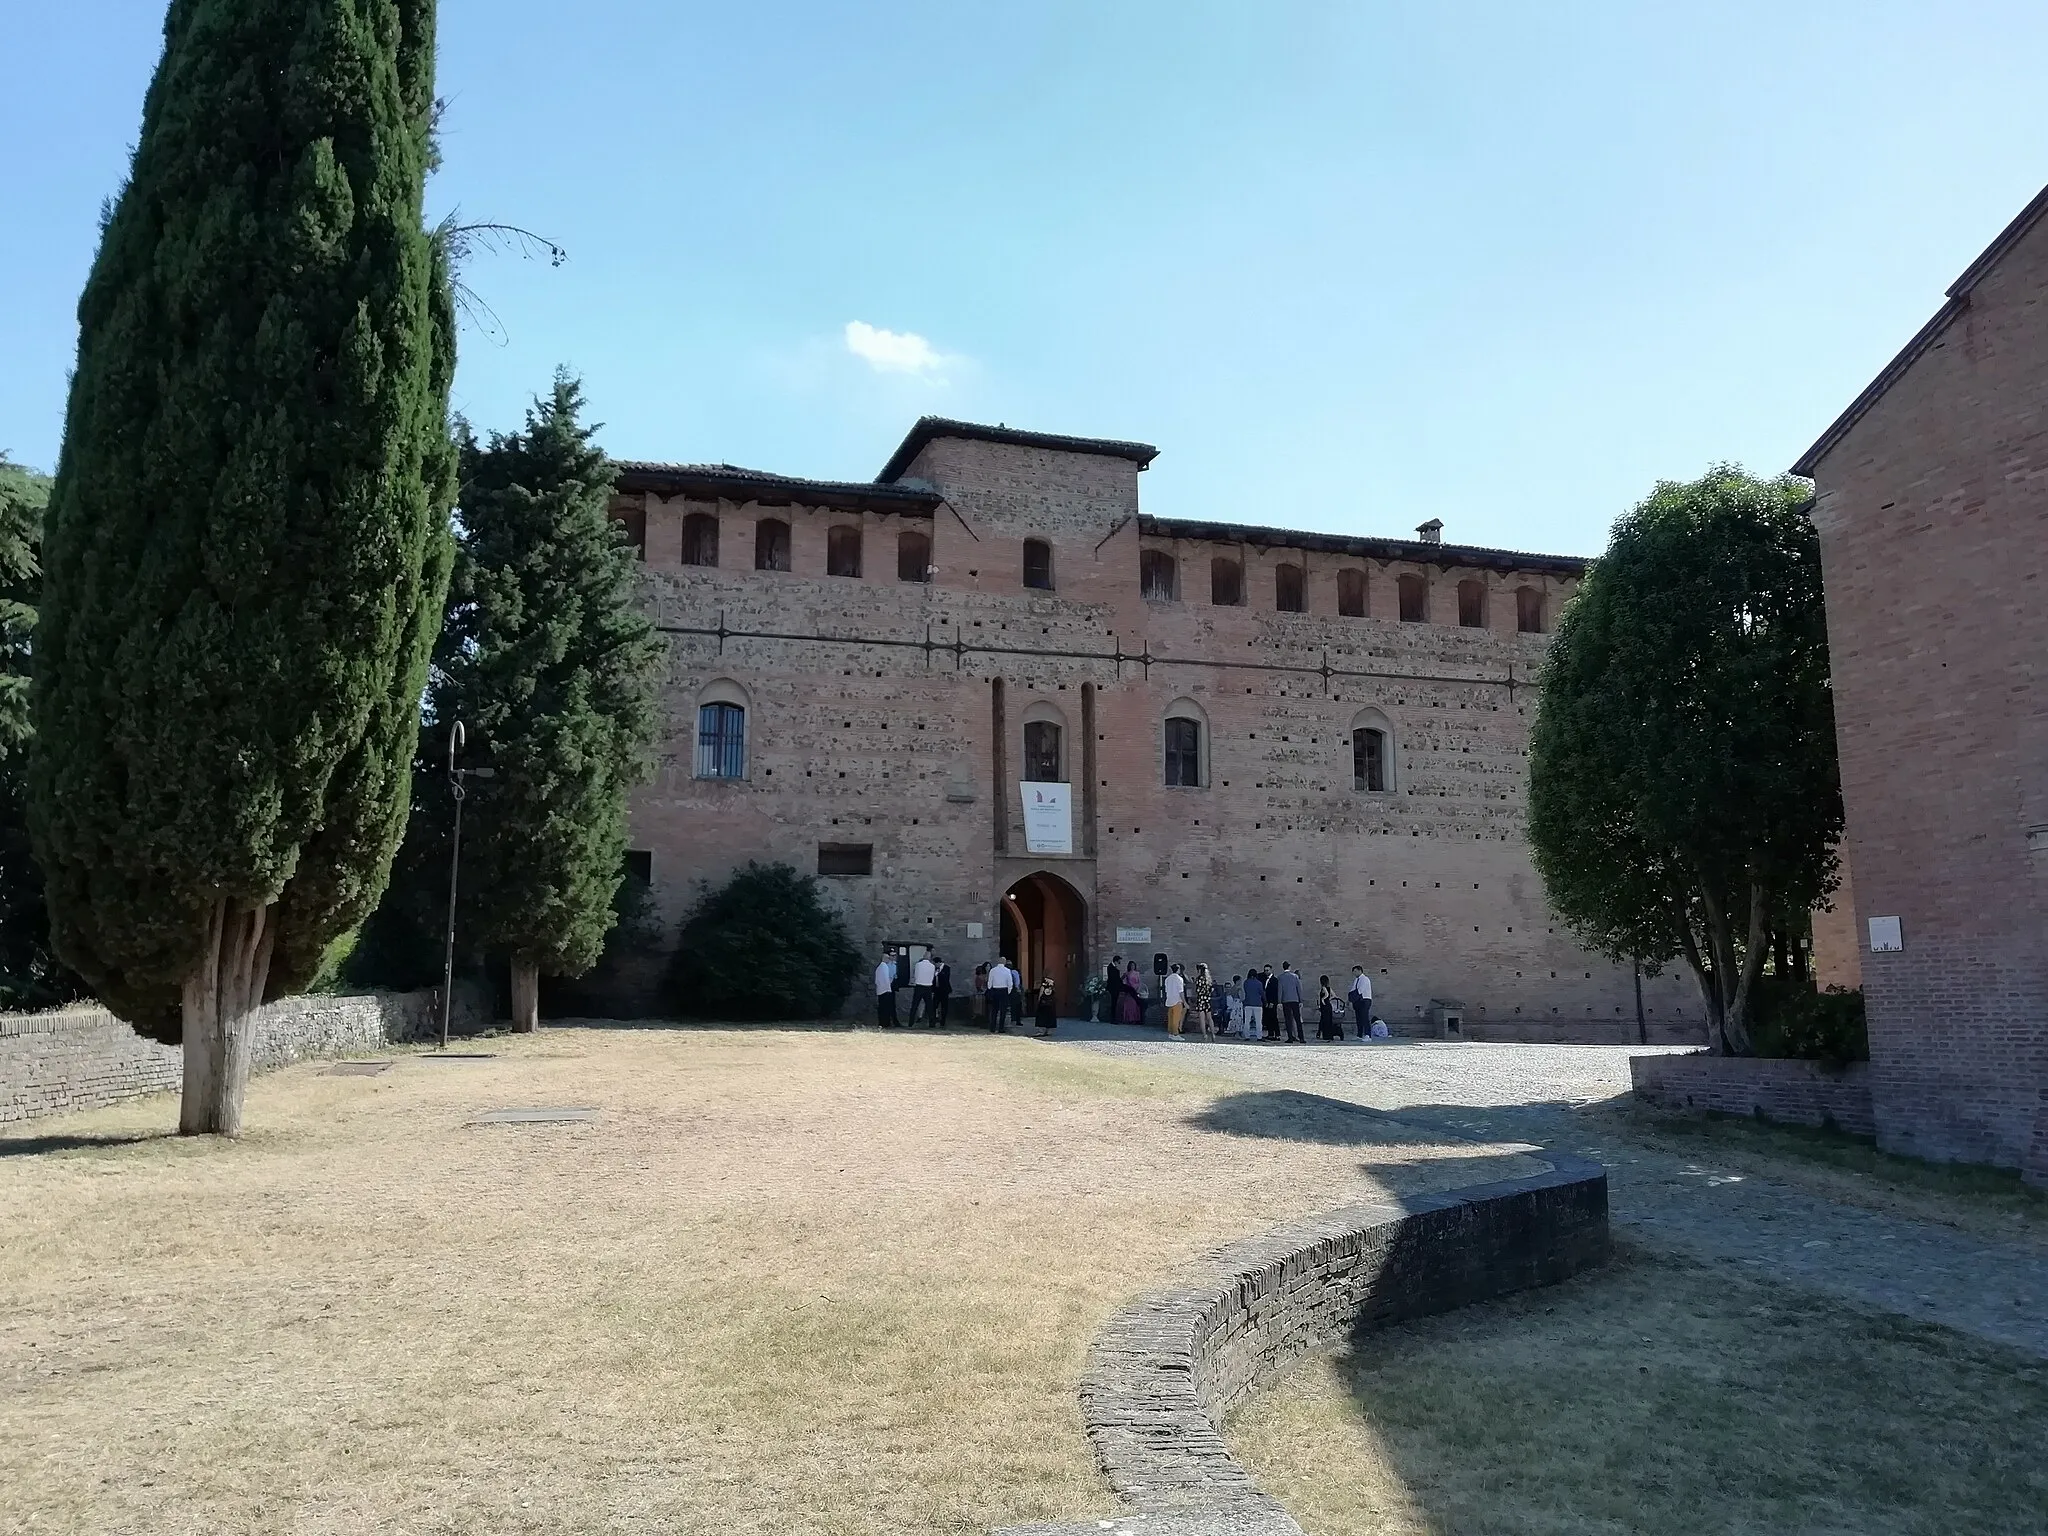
x: 1130, y: 1008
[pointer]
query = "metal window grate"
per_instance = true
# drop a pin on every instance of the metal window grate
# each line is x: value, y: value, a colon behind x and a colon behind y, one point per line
x: 721, y: 742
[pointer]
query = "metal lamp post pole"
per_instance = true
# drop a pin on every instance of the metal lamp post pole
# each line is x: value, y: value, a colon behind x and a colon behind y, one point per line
x: 456, y: 775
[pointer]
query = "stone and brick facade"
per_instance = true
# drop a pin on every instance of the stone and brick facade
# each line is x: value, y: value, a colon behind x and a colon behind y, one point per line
x: 1932, y: 507
x: 1015, y: 612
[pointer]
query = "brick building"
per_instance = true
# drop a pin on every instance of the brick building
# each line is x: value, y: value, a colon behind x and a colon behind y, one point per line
x: 1273, y: 746
x: 1932, y: 506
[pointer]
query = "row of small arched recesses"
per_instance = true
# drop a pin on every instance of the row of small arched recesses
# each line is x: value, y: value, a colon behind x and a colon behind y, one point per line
x: 772, y: 547
x: 1159, y: 581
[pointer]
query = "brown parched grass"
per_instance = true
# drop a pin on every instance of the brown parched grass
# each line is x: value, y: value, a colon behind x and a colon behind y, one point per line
x: 790, y: 1281
x: 1658, y: 1397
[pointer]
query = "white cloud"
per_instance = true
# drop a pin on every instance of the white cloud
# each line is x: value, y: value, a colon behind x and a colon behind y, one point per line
x: 894, y: 351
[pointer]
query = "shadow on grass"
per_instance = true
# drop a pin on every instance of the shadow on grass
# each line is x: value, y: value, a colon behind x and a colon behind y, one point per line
x: 37, y: 1146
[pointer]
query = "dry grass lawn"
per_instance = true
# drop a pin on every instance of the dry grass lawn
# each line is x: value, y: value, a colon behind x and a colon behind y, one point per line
x: 1658, y: 1398
x: 790, y: 1281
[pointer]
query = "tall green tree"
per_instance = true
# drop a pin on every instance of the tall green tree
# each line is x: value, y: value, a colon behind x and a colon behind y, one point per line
x: 247, y: 547
x: 30, y: 975
x: 1683, y: 794
x: 550, y: 665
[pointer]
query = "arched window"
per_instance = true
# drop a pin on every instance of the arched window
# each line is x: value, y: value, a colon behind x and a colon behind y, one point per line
x: 1045, y: 742
x: 1185, y: 738
x: 1351, y: 593
x: 771, y: 545
x: 913, y: 556
x: 1157, y: 576
x: 1038, y: 565
x: 700, y: 539
x: 1372, y: 752
x: 1472, y: 604
x: 1289, y: 589
x: 842, y: 550
x: 722, y: 731
x: 1226, y: 582
x: 1529, y: 610
x: 1414, y: 599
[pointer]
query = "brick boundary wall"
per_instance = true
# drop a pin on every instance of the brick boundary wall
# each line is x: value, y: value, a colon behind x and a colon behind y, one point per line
x: 1795, y: 1092
x: 1165, y: 1371
x: 82, y: 1057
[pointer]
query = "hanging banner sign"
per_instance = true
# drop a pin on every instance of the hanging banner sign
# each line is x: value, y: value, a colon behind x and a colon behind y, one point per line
x: 1048, y: 818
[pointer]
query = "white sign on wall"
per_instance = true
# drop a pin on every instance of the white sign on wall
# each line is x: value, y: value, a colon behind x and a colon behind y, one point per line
x: 1048, y: 818
x: 1884, y: 935
x: 1134, y: 935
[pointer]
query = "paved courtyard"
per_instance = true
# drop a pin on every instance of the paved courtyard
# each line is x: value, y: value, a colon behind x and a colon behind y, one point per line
x: 1530, y: 1094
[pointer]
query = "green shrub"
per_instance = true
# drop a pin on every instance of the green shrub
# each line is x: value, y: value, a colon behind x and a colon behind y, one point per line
x: 762, y: 947
x: 1795, y: 1021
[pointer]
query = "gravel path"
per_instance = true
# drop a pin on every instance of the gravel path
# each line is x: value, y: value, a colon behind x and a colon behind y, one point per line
x: 1526, y: 1093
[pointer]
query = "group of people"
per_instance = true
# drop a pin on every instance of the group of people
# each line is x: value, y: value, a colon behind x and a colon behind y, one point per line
x: 998, y: 994
x: 1253, y: 1005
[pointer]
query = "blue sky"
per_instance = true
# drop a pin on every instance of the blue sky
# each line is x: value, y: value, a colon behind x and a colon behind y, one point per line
x: 1349, y: 266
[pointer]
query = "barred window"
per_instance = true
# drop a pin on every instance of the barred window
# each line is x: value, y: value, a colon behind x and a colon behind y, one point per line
x: 1042, y: 752
x: 1157, y: 577
x: 1184, y: 752
x: 1369, y: 760
x: 721, y: 742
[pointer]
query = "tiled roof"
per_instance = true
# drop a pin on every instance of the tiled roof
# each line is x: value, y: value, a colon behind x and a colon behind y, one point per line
x: 930, y: 427
x: 712, y: 481
x: 1414, y: 550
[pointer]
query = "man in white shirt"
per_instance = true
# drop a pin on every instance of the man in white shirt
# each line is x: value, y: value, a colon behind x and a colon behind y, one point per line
x: 885, y: 993
x: 922, y: 975
x: 1000, y: 980
x: 1176, y: 988
x: 1361, y: 1000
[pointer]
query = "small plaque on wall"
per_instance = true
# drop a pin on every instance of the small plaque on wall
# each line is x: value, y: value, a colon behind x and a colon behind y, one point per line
x: 1884, y: 935
x: 974, y: 930
x: 1134, y: 935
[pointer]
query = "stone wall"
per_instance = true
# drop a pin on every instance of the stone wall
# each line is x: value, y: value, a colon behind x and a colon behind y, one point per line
x: 892, y: 714
x: 82, y: 1057
x: 1793, y: 1092
x: 1932, y: 509
x: 1165, y: 1372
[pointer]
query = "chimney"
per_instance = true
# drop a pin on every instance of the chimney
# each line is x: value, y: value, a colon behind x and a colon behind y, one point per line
x: 1431, y: 532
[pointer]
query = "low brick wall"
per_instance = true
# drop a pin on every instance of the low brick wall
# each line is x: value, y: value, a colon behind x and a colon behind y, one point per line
x: 1795, y: 1092
x: 83, y: 1057
x: 1165, y: 1372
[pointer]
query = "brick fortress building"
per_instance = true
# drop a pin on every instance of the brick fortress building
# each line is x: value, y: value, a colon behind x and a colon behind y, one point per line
x: 1932, y: 507
x: 1272, y: 746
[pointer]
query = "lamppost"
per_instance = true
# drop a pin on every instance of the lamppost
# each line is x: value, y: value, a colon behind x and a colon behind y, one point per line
x: 455, y: 777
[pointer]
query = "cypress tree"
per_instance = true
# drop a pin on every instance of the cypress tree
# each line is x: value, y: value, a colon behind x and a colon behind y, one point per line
x: 550, y: 665
x: 247, y: 549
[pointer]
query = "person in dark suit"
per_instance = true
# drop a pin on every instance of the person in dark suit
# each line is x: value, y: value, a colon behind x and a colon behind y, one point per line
x: 1112, y: 986
x: 942, y: 990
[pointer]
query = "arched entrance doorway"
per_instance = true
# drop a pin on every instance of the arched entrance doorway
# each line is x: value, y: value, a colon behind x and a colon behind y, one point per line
x: 1044, y: 933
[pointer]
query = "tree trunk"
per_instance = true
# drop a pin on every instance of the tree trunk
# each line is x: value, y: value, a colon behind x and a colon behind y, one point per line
x: 525, y: 996
x: 1736, y: 1029
x: 221, y: 997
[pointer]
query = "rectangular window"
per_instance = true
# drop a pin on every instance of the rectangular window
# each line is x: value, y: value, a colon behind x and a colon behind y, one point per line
x: 1472, y: 604
x: 1042, y: 753
x: 721, y: 742
x: 700, y: 539
x: 913, y: 556
x: 1184, y: 753
x: 843, y: 860
x: 1226, y: 582
x: 640, y: 865
x: 1038, y: 565
x: 1369, y: 760
x: 1289, y: 589
x: 1156, y: 576
x: 1414, y: 599
x: 1528, y: 610
x: 842, y: 550
x: 1351, y: 594
x: 771, y: 545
